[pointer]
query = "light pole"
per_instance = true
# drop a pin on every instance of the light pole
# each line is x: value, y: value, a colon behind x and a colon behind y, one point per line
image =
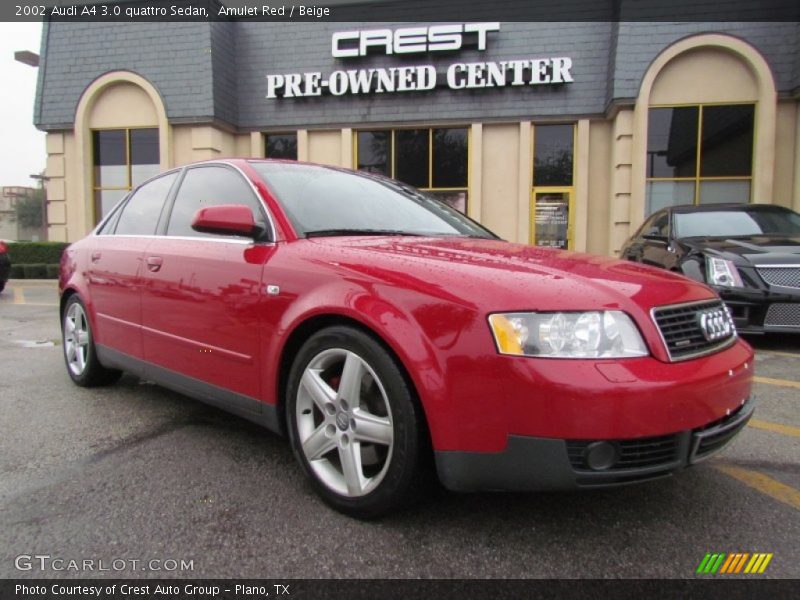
x: 32, y: 59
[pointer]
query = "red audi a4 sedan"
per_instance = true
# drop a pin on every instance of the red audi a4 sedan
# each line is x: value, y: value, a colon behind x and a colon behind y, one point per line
x: 384, y: 332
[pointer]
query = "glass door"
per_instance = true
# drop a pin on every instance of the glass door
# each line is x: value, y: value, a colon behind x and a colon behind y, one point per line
x: 551, y: 197
x: 550, y: 213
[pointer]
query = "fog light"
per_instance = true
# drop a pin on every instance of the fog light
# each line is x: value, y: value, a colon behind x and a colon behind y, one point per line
x: 601, y: 455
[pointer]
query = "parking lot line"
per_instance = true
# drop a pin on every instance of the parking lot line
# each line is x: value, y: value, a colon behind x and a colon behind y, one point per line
x: 764, y: 484
x: 40, y: 304
x: 776, y: 427
x: 19, y: 295
x: 779, y: 353
x: 779, y: 382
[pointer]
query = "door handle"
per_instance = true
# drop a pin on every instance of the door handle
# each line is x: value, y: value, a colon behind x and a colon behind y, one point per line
x: 96, y: 256
x: 154, y: 263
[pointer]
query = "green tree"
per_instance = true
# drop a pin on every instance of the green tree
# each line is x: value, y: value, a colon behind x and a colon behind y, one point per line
x: 29, y: 210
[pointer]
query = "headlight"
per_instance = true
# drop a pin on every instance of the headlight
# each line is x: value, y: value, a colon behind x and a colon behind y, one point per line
x: 597, y: 334
x: 722, y: 272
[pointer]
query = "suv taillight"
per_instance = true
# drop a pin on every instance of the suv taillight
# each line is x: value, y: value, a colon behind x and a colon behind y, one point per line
x: 3, y: 247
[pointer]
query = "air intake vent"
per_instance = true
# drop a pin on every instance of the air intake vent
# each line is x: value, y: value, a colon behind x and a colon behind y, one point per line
x: 783, y: 314
x: 631, y: 454
x: 782, y: 276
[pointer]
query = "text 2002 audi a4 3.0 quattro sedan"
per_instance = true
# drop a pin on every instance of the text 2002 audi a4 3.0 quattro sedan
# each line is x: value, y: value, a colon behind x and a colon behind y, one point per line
x: 378, y: 328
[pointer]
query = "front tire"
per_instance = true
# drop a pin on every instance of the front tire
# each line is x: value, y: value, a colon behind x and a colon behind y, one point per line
x: 80, y: 354
x: 353, y: 423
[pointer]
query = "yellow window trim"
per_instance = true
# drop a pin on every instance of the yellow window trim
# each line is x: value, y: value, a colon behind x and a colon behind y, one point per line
x: 129, y: 166
x: 698, y: 179
x: 392, y: 154
x: 569, y: 190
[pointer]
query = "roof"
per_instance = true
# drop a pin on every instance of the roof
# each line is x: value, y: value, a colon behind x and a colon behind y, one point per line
x: 728, y: 206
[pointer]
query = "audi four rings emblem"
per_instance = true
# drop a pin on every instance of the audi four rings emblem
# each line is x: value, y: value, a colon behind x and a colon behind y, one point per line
x: 715, y: 324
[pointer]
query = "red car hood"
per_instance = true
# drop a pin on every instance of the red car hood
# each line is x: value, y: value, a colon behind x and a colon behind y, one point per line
x: 495, y: 275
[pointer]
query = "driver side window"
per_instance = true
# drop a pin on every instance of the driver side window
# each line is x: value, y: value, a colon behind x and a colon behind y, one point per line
x: 661, y: 226
x: 657, y: 225
x: 210, y: 186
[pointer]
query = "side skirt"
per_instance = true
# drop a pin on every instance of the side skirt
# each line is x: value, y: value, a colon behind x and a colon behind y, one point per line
x: 249, y: 408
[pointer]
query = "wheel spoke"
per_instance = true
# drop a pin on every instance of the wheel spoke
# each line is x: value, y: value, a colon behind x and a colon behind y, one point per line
x: 80, y: 359
x: 69, y: 325
x: 71, y: 352
x: 350, y: 385
x: 320, y: 392
x: 372, y: 428
x: 350, y: 457
x: 318, y: 443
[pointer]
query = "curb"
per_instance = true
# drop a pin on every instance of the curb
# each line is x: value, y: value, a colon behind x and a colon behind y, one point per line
x: 37, y: 281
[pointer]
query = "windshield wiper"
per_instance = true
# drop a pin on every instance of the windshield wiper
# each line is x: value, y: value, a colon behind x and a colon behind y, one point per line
x: 340, y: 232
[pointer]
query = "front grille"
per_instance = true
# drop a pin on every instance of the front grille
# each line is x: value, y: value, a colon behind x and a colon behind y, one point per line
x: 714, y: 436
x: 782, y: 276
x: 684, y: 333
x: 631, y: 454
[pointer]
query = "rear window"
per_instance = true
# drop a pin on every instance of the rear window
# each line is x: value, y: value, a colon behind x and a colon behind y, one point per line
x: 141, y: 212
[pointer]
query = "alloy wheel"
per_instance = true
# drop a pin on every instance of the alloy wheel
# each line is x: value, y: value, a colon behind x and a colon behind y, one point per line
x: 344, y: 422
x: 76, y: 339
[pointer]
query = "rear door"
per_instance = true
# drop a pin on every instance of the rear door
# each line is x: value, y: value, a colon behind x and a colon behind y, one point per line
x: 201, y: 292
x: 115, y: 267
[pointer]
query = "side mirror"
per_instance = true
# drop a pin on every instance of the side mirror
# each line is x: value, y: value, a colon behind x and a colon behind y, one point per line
x: 226, y: 219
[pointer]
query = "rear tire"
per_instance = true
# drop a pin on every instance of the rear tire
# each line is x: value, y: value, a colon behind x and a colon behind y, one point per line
x: 80, y: 354
x: 353, y: 423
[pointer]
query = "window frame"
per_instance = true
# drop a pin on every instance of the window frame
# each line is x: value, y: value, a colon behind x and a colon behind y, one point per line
x: 391, y: 159
x: 96, y: 210
x: 697, y: 180
x: 571, y: 186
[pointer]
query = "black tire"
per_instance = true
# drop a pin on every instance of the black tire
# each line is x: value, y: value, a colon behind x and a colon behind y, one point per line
x: 92, y: 374
x: 402, y: 476
x: 2, y: 285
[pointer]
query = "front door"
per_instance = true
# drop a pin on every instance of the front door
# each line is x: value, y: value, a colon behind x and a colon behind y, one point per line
x: 201, y: 293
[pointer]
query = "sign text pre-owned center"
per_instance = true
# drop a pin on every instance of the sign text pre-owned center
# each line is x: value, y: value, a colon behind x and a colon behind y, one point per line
x: 415, y: 40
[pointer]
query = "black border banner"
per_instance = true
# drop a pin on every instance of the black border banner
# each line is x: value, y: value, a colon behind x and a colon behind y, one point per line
x: 391, y: 589
x: 399, y: 10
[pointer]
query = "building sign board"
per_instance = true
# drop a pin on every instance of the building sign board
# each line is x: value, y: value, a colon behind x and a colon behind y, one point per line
x: 418, y: 40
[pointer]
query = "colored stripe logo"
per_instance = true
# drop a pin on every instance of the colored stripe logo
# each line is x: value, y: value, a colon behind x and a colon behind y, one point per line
x: 736, y: 562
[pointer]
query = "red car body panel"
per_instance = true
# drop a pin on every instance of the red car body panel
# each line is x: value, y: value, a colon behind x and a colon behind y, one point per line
x: 204, y: 313
x: 112, y: 278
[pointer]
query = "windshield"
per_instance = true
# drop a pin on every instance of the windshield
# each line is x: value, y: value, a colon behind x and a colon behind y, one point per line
x: 326, y: 201
x: 736, y: 223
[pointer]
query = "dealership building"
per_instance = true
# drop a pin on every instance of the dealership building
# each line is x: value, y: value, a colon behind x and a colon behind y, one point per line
x: 564, y: 134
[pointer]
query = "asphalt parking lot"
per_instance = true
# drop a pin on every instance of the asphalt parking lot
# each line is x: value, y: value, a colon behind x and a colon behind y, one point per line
x: 135, y: 472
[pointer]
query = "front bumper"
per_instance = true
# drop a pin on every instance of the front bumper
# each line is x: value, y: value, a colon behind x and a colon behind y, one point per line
x: 531, y: 463
x: 763, y: 310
